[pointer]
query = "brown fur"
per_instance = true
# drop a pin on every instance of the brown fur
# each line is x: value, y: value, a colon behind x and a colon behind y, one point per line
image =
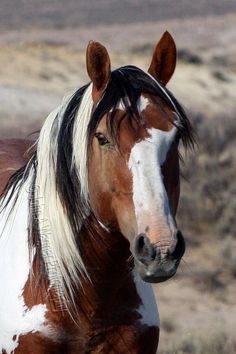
x: 98, y: 68
x: 107, y: 321
x: 164, y: 59
x: 14, y: 153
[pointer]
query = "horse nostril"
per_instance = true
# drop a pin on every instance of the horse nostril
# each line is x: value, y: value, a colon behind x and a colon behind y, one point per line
x: 140, y: 243
x: 144, y: 251
x: 179, y: 248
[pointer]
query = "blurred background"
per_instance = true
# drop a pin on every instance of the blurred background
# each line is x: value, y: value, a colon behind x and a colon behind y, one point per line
x: 42, y: 58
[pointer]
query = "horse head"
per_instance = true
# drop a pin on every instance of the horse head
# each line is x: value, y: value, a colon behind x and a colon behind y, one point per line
x: 133, y: 158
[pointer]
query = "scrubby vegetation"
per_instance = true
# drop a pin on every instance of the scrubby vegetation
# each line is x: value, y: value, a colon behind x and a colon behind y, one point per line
x: 216, y: 343
x: 208, y: 203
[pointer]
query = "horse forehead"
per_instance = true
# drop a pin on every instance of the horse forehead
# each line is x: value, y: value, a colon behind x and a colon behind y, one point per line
x: 157, y: 118
x: 159, y: 129
x: 156, y: 113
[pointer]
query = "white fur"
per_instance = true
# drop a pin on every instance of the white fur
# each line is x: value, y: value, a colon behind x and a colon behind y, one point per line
x: 15, y: 264
x: 148, y: 308
x: 103, y: 226
x: 80, y: 139
x: 149, y: 194
x: 143, y: 102
x: 120, y: 105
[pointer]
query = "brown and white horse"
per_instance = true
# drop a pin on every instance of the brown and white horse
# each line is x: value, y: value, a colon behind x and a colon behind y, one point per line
x: 88, y: 219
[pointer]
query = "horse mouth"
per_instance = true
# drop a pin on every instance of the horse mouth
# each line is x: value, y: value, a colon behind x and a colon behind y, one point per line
x: 155, y: 264
x: 157, y: 272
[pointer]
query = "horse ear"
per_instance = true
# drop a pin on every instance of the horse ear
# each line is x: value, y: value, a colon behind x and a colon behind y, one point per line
x: 98, y: 68
x: 164, y: 59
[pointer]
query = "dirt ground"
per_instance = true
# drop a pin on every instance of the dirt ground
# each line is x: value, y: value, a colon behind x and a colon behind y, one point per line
x: 43, y: 60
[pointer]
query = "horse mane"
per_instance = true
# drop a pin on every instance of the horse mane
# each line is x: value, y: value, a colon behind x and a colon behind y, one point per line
x: 59, y: 197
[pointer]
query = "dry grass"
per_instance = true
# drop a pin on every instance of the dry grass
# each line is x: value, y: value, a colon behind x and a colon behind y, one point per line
x: 213, y: 343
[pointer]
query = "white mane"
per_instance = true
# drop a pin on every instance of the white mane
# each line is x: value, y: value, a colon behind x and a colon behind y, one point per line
x: 60, y: 252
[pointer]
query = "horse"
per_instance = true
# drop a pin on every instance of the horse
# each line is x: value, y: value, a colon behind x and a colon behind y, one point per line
x: 87, y: 218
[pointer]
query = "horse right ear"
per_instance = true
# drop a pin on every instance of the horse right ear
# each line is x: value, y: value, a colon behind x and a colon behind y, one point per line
x: 98, y: 68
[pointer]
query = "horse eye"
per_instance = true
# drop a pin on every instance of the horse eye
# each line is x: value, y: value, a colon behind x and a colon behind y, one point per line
x: 102, y: 139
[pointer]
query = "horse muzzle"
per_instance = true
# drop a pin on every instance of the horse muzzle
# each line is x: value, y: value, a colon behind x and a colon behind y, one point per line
x: 159, y: 262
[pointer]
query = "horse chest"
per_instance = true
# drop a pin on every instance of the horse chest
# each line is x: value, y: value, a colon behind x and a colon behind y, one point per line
x: 147, y: 308
x: 22, y: 328
x: 131, y: 329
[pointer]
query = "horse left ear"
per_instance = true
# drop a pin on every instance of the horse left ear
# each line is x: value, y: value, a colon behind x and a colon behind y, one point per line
x: 98, y: 68
x: 164, y: 59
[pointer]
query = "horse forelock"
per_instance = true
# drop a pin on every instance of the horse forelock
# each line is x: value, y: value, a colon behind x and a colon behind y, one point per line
x: 126, y: 86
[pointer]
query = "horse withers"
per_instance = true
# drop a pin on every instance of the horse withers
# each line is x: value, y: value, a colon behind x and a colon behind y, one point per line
x: 87, y: 215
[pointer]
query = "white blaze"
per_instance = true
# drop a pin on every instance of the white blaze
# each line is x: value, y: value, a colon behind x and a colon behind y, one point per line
x: 149, y: 194
x: 15, y: 318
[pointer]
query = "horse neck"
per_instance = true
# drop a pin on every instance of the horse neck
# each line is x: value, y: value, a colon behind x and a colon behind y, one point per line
x: 106, y: 254
x: 107, y: 306
x: 107, y: 259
